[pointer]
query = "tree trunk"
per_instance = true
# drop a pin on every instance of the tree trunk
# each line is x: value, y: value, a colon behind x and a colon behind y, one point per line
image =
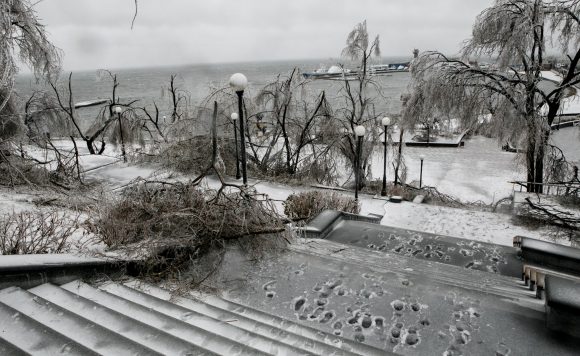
x: 400, y: 155
x: 531, y: 163
x: 532, y: 139
x: 540, y: 154
x: 123, y: 153
x: 90, y: 147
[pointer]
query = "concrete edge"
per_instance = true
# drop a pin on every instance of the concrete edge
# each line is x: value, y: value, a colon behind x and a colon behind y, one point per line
x: 322, y: 224
x: 28, y: 271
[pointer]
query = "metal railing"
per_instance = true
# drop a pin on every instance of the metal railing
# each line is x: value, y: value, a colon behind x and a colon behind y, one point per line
x: 564, y: 188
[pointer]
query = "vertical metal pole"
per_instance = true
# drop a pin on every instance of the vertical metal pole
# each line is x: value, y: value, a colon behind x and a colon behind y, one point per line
x: 123, y: 153
x: 421, y: 175
x: 238, y: 175
x: 357, y: 169
x: 384, y: 191
x: 242, y: 136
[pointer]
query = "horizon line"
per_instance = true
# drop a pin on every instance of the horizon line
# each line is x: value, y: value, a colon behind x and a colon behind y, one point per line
x: 24, y: 70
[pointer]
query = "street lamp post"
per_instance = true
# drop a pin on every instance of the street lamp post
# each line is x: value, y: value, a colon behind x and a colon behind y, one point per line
x: 359, y: 132
x: 234, y: 119
x: 117, y: 109
x: 239, y: 82
x: 386, y: 121
x: 421, y: 172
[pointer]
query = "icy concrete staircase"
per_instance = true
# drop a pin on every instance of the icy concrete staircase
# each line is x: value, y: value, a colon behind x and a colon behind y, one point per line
x: 385, y: 262
x: 113, y: 319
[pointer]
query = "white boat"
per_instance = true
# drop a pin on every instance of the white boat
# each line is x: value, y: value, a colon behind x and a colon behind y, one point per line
x: 334, y: 72
x: 389, y: 68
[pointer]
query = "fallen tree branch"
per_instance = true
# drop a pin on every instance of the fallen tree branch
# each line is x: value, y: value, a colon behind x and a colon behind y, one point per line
x: 555, y: 216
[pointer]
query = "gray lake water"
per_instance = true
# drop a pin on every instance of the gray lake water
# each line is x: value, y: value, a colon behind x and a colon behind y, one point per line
x: 145, y: 84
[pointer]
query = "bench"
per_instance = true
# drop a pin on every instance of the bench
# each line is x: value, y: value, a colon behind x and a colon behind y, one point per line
x: 562, y: 305
x: 535, y: 277
x: 548, y: 254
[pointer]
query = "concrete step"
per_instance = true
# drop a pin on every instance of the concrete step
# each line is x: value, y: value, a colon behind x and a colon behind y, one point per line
x: 397, y: 260
x: 132, y: 329
x: 278, y: 325
x: 210, y: 340
x: 80, y: 330
x: 330, y: 345
x: 503, y: 286
x: 232, y: 332
x: 21, y: 335
x: 289, y: 326
x: 7, y: 348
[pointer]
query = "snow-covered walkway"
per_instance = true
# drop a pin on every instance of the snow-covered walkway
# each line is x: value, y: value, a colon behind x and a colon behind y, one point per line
x: 478, y: 171
x: 468, y: 224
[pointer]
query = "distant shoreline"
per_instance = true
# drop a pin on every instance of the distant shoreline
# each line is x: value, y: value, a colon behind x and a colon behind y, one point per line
x: 315, y: 61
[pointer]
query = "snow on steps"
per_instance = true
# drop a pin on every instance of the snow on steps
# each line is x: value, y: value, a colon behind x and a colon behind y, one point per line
x: 212, y: 341
x: 23, y: 335
x: 9, y: 349
x: 79, y: 330
x: 380, y: 261
x: 135, y: 330
x: 79, y: 319
x: 257, y: 321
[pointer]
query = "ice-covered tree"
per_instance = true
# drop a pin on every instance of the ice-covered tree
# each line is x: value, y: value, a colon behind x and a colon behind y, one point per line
x: 517, y: 35
x: 22, y: 39
x: 358, y: 108
x: 294, y: 116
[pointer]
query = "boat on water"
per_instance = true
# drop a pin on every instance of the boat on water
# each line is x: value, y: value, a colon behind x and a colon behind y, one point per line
x: 336, y: 72
x: 389, y: 68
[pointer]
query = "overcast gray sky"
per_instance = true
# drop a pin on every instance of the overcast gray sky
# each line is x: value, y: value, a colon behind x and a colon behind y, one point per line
x: 97, y: 33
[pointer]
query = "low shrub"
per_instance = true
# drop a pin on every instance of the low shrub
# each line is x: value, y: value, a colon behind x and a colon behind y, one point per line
x: 307, y: 205
x: 376, y: 187
x: 194, y: 155
x: 22, y: 173
x: 36, y: 232
x: 18, y: 167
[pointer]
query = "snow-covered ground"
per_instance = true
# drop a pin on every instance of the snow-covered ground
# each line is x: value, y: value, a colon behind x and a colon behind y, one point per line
x: 15, y: 201
x: 478, y: 171
x: 568, y: 140
x: 483, y: 226
x: 470, y: 180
